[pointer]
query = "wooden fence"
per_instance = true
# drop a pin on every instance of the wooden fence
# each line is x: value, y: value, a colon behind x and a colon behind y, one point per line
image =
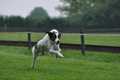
x: 83, y: 47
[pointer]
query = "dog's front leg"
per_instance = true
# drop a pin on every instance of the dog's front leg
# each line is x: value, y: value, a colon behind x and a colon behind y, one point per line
x: 56, y: 52
x: 58, y: 49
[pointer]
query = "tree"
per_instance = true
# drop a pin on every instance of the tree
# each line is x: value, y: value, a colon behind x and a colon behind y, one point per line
x: 92, y: 13
x: 38, y: 12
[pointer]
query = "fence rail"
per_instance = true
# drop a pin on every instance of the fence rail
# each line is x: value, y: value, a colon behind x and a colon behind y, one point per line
x: 97, y: 48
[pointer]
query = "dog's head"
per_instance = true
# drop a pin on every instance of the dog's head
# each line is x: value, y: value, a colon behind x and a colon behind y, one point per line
x: 54, y: 36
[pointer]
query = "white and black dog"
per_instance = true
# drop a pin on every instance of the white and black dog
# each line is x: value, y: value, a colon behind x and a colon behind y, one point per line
x: 49, y: 43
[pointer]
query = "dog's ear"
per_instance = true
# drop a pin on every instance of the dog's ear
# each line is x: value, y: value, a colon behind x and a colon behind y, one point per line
x: 49, y: 33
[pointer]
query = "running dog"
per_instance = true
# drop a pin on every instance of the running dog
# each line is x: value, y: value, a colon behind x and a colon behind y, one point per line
x: 49, y: 43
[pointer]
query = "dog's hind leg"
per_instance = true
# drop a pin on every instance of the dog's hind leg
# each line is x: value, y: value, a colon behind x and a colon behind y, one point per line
x: 41, y: 54
x: 34, y: 59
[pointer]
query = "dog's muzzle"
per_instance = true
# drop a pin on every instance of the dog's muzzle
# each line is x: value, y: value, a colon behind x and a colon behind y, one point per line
x: 57, y: 42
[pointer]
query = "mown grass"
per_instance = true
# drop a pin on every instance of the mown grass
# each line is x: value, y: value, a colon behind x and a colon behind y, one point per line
x: 75, y: 39
x: 15, y: 64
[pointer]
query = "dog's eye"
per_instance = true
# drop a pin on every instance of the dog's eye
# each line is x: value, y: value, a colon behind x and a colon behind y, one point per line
x: 54, y: 35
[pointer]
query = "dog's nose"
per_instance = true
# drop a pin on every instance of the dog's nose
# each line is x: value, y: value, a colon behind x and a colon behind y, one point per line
x: 58, y: 42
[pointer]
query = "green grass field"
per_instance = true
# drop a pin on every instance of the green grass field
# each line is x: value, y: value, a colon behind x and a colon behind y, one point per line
x: 75, y: 39
x: 15, y: 64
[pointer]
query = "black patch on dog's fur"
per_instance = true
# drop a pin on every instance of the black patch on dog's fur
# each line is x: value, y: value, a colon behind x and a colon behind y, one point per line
x: 35, y: 46
x: 52, y: 35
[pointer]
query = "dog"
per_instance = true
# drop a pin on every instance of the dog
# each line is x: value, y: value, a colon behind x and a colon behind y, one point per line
x: 49, y: 43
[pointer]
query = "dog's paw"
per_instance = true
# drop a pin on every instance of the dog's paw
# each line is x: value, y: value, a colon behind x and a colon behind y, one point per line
x: 60, y: 55
x: 32, y: 66
x: 40, y: 54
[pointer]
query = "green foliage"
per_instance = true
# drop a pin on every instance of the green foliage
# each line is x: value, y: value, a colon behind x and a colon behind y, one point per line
x: 16, y: 62
x: 80, y: 13
x: 92, y: 13
x: 38, y: 12
x: 18, y: 22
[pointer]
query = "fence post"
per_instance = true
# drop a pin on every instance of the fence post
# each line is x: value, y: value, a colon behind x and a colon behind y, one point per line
x: 29, y: 39
x: 82, y: 41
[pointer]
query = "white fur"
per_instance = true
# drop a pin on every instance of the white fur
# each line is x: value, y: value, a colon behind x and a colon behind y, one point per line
x: 46, y: 44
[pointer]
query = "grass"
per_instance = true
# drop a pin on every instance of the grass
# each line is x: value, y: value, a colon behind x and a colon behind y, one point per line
x: 15, y: 64
x: 75, y: 39
x: 14, y: 36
